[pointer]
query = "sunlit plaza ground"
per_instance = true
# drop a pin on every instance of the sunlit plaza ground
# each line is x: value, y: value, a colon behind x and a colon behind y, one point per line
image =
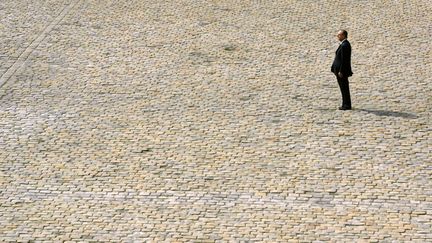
x: 214, y: 121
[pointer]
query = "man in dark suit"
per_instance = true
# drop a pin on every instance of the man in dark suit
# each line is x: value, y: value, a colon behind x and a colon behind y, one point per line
x: 342, y: 68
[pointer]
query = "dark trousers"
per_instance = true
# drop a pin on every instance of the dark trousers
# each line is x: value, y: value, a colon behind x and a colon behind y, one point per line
x: 344, y: 88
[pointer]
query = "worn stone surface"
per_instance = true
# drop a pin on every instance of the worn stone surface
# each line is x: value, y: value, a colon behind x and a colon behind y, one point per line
x: 214, y: 121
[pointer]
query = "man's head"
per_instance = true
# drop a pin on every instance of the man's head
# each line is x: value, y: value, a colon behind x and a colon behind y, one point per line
x: 342, y: 35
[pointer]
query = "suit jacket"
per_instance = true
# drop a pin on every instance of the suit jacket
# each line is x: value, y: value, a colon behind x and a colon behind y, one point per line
x: 342, y: 61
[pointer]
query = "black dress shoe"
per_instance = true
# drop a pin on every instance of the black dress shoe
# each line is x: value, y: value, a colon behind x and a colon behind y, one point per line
x: 344, y: 108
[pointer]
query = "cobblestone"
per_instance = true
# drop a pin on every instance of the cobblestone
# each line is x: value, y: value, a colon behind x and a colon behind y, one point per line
x: 213, y: 121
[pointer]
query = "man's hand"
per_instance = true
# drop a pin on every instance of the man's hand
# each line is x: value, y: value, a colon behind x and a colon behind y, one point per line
x: 340, y: 75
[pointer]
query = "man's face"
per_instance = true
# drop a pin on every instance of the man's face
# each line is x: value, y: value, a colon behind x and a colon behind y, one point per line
x: 340, y: 36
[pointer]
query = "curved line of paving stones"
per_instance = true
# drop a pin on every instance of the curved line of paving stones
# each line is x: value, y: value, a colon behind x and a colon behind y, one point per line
x: 26, y: 53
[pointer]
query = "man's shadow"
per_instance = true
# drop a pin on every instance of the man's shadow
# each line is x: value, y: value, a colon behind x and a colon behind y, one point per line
x: 389, y: 113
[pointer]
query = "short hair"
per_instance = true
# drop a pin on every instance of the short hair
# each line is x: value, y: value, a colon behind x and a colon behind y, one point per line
x: 345, y: 33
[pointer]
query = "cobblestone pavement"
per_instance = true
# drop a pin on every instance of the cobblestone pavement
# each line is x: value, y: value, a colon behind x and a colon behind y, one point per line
x: 214, y: 121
